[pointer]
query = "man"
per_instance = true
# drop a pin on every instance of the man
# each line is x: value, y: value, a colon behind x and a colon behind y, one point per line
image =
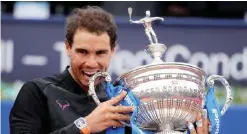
x: 147, y: 23
x: 59, y: 104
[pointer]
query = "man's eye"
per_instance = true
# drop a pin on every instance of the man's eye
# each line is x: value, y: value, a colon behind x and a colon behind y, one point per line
x: 83, y: 52
x: 101, y: 52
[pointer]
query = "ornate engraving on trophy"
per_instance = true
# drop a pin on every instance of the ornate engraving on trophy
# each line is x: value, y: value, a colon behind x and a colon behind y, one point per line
x: 157, y: 77
x: 176, y: 76
x: 170, y: 111
x: 180, y: 76
x: 170, y: 91
x: 174, y: 82
x: 168, y: 76
x: 145, y: 79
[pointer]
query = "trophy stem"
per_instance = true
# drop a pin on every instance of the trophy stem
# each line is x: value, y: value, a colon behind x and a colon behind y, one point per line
x: 169, y: 132
x: 167, y: 128
x: 156, y: 51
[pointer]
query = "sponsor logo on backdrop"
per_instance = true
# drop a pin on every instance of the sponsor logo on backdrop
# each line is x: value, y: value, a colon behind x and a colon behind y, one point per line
x: 234, y: 66
x: 7, y: 56
x: 212, y: 63
x: 231, y: 66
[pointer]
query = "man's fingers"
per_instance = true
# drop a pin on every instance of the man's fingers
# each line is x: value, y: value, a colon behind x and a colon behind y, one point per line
x: 117, y: 99
x: 113, y: 123
x: 121, y: 109
x: 119, y: 117
x: 210, y: 127
x: 199, y: 124
x: 205, y: 121
x: 191, y: 128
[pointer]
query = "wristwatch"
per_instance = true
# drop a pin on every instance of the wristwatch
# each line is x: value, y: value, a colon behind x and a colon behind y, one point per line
x: 82, y: 125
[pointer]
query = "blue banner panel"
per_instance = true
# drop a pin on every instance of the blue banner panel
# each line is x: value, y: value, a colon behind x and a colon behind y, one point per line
x: 38, y: 45
x: 31, y: 49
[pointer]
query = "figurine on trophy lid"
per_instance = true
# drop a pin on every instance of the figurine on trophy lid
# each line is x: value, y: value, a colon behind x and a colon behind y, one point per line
x: 155, y: 49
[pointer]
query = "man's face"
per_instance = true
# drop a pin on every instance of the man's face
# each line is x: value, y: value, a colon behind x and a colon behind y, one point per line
x: 89, y: 53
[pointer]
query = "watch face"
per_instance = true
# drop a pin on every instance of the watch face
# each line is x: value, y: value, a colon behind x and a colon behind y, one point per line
x: 80, y: 123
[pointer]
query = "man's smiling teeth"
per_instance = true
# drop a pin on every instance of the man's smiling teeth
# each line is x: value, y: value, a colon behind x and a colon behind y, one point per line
x: 90, y: 73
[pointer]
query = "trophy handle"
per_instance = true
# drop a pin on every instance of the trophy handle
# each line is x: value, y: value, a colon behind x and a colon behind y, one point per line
x: 210, y: 82
x: 91, y: 90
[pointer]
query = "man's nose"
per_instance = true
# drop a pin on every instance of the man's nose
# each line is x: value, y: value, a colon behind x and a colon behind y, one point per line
x: 92, y: 61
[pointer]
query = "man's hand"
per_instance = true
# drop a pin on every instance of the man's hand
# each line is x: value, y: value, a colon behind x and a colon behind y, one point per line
x: 107, y: 115
x: 202, y: 124
x: 162, y: 19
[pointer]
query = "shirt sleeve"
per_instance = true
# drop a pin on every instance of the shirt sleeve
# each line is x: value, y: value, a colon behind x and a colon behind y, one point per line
x: 29, y: 113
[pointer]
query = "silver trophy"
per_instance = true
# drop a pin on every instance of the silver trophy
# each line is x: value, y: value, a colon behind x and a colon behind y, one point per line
x: 171, y: 94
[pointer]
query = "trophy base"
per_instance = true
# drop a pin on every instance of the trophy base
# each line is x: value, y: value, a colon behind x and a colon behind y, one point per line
x: 166, y: 128
x: 169, y: 132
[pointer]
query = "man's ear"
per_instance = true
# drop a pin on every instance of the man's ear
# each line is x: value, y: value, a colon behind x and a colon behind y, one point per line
x: 67, y: 47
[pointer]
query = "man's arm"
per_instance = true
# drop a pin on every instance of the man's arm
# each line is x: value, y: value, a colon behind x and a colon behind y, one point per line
x: 141, y: 21
x: 29, y: 113
x: 157, y: 18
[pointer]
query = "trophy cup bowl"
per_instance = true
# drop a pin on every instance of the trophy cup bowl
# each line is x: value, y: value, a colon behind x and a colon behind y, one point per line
x: 170, y: 93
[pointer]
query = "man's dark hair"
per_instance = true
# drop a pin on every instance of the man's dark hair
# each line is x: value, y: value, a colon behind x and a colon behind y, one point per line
x: 92, y: 18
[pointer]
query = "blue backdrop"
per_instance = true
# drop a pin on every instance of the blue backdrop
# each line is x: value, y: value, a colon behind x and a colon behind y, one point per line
x: 217, y: 46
